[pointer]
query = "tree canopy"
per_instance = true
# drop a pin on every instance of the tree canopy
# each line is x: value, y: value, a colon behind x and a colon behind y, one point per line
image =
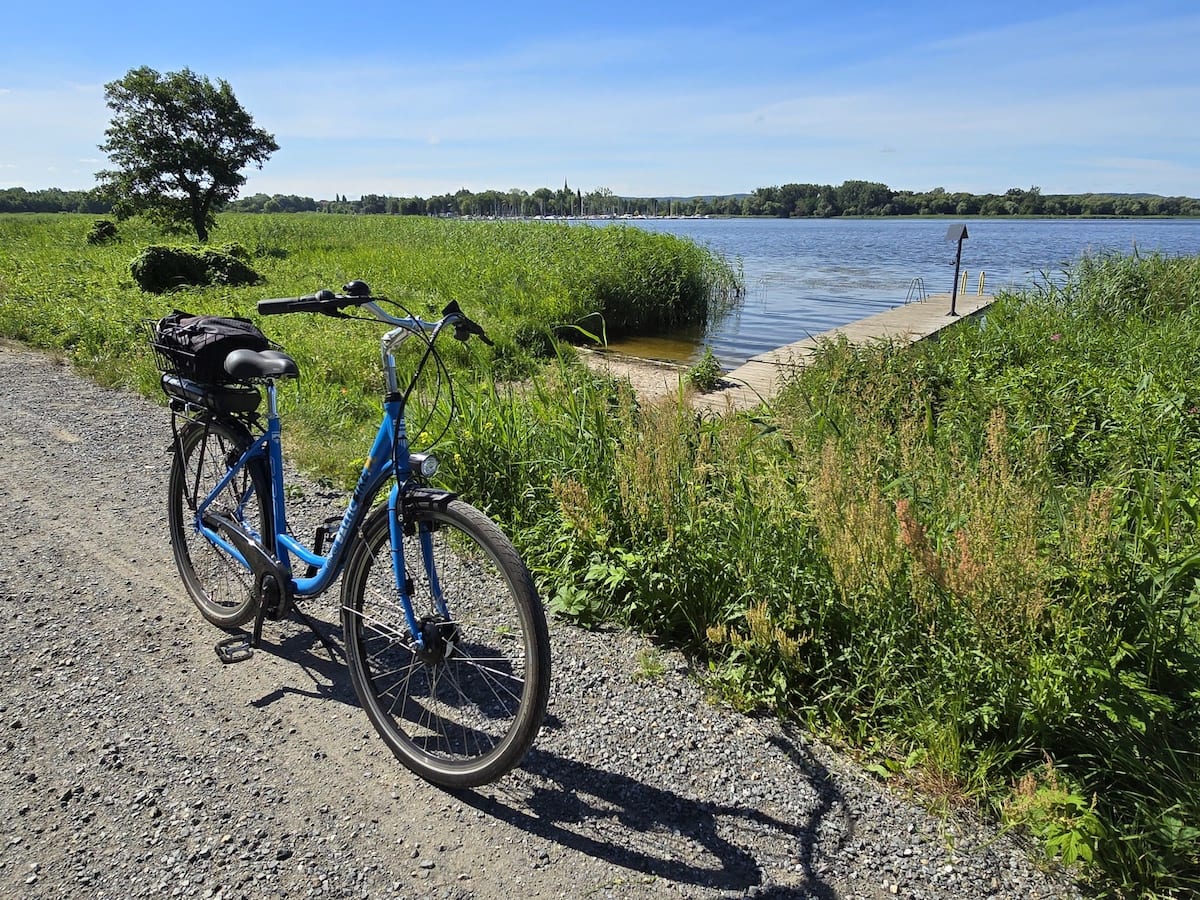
x: 178, y: 144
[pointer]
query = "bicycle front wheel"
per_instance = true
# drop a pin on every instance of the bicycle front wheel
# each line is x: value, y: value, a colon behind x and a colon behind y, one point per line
x: 220, y: 586
x: 463, y: 707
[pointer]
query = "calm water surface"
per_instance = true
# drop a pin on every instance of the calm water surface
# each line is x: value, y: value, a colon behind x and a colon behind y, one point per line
x: 806, y: 276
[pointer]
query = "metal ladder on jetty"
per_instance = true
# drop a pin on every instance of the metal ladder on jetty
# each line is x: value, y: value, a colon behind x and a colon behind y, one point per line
x: 917, y: 292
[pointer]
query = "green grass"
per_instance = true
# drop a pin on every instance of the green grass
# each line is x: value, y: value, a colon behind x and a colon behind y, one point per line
x: 513, y: 274
x: 524, y: 282
x: 974, y: 560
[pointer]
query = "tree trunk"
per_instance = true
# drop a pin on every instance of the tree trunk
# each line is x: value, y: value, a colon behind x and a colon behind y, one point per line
x: 199, y: 224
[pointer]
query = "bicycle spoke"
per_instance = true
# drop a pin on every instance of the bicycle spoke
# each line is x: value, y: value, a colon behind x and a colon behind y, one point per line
x: 459, y: 706
x: 221, y: 586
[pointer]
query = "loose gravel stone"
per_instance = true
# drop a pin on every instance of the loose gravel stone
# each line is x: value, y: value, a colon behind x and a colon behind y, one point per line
x: 136, y: 764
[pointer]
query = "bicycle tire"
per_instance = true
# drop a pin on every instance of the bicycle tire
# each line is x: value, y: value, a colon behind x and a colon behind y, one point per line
x: 222, y: 588
x: 465, y: 710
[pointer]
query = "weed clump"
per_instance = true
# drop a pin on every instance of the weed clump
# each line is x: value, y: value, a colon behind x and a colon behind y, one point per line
x: 705, y: 375
x: 159, y: 268
x: 102, y: 232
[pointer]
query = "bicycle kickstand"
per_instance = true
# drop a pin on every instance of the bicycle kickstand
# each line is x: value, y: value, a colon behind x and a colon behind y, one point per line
x: 240, y: 647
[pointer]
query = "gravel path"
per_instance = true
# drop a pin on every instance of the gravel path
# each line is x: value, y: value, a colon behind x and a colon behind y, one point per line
x: 135, y: 764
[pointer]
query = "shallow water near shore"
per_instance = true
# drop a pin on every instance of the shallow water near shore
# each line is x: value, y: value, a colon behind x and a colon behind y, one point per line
x: 805, y: 276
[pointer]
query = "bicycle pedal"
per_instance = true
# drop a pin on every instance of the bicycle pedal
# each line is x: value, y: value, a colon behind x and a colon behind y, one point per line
x: 325, y: 532
x: 234, y: 649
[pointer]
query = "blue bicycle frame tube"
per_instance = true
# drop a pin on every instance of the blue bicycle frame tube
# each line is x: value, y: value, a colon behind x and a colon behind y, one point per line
x: 390, y: 446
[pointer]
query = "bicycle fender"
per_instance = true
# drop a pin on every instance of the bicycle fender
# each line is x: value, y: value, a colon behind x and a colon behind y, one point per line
x: 426, y: 497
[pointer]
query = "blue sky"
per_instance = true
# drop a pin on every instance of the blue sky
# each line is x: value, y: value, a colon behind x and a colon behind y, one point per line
x: 645, y: 99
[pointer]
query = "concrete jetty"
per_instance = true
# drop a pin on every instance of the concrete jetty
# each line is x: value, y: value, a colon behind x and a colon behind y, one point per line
x: 760, y: 377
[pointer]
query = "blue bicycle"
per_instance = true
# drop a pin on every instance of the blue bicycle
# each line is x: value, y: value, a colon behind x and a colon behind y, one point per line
x: 445, y: 637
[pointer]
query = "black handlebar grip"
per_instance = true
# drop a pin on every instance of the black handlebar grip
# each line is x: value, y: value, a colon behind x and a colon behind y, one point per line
x: 317, y: 302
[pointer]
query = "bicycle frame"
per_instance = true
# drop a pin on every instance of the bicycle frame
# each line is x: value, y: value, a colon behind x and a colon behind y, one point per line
x: 390, y: 444
x: 388, y: 459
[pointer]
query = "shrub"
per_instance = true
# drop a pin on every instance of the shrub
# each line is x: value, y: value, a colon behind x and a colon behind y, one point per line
x: 102, y: 231
x: 235, y: 250
x: 227, y: 268
x: 705, y: 375
x: 159, y: 269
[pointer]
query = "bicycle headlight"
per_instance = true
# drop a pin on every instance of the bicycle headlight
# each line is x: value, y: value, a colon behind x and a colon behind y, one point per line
x: 423, y: 464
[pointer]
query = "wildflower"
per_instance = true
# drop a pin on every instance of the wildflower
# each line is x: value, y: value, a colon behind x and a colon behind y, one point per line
x: 1056, y: 336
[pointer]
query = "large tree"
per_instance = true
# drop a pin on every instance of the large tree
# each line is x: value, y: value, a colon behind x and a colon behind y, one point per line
x: 178, y: 145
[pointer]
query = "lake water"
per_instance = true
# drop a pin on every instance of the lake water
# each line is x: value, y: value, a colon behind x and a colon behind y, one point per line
x: 805, y: 276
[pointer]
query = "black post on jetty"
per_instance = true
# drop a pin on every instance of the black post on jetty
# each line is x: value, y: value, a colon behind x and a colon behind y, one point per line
x: 956, y: 233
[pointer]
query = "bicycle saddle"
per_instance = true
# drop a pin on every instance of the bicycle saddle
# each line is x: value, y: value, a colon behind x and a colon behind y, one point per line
x: 247, y: 365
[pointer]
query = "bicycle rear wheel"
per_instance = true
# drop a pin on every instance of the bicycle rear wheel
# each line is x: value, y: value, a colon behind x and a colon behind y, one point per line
x: 220, y: 586
x: 465, y: 708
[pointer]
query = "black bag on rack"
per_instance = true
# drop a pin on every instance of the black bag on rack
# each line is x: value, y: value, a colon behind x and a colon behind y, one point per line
x: 195, y: 347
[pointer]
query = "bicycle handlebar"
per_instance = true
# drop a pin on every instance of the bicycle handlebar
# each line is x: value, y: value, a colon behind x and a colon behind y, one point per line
x: 357, y: 293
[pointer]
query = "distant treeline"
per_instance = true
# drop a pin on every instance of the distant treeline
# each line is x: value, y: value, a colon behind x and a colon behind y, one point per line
x: 851, y: 198
x: 19, y: 200
x: 866, y: 198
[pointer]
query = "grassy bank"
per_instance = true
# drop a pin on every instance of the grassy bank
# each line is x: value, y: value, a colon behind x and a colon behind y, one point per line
x: 974, y: 561
x: 522, y: 281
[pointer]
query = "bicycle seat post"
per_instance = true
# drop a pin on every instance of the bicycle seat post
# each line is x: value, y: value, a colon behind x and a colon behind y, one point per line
x: 275, y: 453
x: 272, y: 401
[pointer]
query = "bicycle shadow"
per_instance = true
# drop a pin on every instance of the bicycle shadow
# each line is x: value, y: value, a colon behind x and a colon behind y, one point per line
x: 320, y: 655
x: 659, y: 833
x: 318, y: 650
x: 614, y: 817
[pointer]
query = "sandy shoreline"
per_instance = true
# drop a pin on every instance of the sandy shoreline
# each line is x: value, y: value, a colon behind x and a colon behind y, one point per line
x: 649, y: 378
